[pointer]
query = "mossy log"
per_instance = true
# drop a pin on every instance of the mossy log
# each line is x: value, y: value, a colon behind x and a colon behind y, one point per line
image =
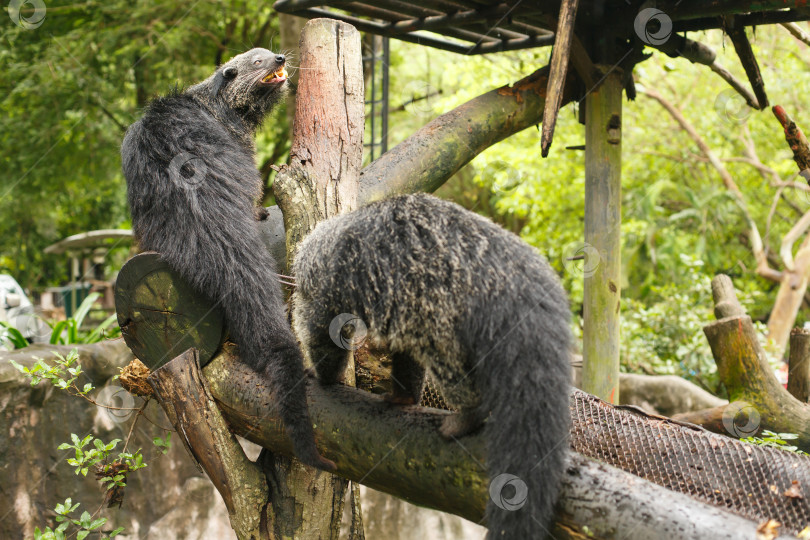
x: 758, y: 401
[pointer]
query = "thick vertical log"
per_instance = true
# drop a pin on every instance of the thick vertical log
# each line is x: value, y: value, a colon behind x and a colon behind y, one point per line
x: 799, y: 373
x: 327, y: 146
x: 320, y: 181
x: 603, y: 156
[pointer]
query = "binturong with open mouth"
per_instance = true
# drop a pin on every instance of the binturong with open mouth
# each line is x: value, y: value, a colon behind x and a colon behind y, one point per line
x: 193, y: 191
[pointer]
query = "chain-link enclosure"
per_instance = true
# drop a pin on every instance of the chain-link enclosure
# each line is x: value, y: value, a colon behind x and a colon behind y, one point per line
x: 756, y: 482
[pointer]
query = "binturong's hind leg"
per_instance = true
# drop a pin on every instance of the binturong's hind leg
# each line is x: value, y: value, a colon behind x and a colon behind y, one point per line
x: 407, y: 378
x: 328, y: 358
x: 327, y: 343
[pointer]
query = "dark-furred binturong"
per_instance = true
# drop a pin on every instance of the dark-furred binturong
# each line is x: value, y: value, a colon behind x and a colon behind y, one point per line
x: 454, y: 295
x: 194, y: 194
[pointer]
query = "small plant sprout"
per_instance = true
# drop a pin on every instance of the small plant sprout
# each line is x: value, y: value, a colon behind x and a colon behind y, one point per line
x: 83, y: 525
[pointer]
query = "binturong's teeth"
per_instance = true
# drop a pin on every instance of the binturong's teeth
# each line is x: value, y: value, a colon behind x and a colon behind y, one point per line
x: 281, y: 73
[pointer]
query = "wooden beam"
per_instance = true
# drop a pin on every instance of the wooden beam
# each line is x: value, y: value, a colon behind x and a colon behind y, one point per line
x: 603, y: 156
x: 738, y: 37
x: 559, y: 68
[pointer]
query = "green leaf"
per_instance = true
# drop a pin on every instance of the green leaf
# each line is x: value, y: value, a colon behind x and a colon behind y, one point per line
x: 116, y: 532
x: 14, y: 336
x: 81, y: 535
x: 97, y: 333
x: 84, y: 308
x: 18, y: 366
x: 56, y: 332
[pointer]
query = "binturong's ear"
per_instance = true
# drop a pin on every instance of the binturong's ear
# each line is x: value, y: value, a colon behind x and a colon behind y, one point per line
x: 222, y: 77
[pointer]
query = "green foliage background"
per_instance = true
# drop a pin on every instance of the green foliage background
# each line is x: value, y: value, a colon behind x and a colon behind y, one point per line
x: 71, y: 86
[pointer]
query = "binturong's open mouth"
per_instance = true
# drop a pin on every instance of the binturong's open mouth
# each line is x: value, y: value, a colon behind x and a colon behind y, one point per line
x: 275, y: 77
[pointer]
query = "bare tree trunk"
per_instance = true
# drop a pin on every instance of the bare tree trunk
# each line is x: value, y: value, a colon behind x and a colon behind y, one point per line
x: 319, y: 182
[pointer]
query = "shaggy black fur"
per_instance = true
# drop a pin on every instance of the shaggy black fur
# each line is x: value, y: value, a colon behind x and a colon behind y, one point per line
x: 452, y: 293
x: 193, y: 191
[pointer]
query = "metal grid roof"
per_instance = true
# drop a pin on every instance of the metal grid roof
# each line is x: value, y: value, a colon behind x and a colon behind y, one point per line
x: 487, y: 26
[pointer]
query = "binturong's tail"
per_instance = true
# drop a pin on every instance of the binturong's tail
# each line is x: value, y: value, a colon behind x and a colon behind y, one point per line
x: 205, y: 231
x: 525, y: 383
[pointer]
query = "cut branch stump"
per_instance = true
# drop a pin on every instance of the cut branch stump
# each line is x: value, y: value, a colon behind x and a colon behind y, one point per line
x: 758, y: 400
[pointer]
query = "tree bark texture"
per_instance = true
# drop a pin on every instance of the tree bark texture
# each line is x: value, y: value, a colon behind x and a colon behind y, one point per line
x: 184, y: 395
x: 319, y: 182
x: 758, y: 400
x: 327, y: 147
x: 799, y: 364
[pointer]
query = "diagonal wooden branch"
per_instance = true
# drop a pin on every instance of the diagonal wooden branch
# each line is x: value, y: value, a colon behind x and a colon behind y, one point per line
x: 797, y: 32
x: 739, y: 38
x: 700, y: 53
x: 184, y: 394
x: 559, y: 69
x: 399, y: 451
x: 426, y: 159
x: 796, y: 140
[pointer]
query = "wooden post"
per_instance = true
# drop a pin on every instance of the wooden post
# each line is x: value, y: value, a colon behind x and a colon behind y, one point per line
x: 799, y: 373
x: 603, y: 156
